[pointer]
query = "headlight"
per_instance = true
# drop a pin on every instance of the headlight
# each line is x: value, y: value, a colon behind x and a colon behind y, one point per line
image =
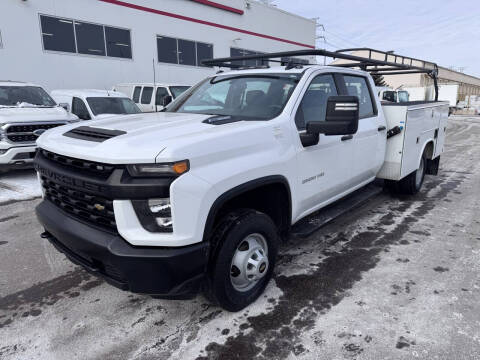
x: 2, y: 132
x: 155, y: 215
x: 158, y: 170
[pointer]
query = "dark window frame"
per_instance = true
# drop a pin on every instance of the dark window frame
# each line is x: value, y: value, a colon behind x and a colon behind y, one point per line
x: 197, y: 64
x: 74, y: 21
x: 263, y: 62
x: 42, y: 34
x: 77, y: 23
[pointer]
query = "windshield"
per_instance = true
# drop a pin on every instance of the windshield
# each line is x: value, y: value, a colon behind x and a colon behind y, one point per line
x: 178, y: 90
x: 403, y: 96
x: 33, y: 95
x: 112, y: 105
x: 252, y: 96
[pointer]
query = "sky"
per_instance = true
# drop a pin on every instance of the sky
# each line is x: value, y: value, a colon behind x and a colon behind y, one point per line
x: 441, y: 31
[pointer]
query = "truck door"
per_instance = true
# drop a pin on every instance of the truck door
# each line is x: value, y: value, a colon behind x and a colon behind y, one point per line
x: 323, y: 169
x: 369, y: 142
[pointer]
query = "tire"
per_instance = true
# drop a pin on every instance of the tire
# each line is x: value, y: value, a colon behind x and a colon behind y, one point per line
x: 411, y: 184
x: 241, y: 238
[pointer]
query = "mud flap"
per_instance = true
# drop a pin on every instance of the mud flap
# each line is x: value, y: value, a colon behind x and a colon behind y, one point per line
x: 432, y: 166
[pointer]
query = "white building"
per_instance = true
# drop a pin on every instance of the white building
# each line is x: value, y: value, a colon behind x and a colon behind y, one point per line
x: 99, y: 43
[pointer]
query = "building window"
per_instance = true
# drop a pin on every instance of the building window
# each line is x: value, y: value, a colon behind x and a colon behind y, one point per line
x: 183, y: 52
x: 167, y: 50
x: 90, y: 39
x: 58, y: 34
x: 118, y: 42
x: 187, y: 52
x: 235, y: 52
x: 286, y: 60
x: 204, y: 52
x: 71, y: 36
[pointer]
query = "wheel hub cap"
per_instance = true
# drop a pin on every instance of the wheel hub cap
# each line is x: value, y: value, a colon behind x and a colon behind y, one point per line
x: 249, y: 263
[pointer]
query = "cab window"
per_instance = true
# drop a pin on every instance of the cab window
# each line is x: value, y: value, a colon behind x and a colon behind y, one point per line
x: 80, y: 109
x: 357, y: 86
x: 314, y: 103
x: 160, y: 95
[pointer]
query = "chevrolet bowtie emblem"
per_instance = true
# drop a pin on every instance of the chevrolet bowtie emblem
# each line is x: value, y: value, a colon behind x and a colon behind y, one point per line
x: 99, y: 207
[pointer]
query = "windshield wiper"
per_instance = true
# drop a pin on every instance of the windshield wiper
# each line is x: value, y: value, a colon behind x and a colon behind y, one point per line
x: 243, y: 77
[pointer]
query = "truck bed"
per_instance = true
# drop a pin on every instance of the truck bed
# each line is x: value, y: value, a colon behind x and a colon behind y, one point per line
x: 421, y: 122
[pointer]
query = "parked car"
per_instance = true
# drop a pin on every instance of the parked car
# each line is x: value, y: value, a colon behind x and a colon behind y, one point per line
x: 199, y: 196
x: 95, y: 104
x: 26, y: 111
x: 150, y: 97
x: 396, y: 96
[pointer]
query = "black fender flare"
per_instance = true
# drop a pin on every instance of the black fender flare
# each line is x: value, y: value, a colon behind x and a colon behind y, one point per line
x: 242, y: 188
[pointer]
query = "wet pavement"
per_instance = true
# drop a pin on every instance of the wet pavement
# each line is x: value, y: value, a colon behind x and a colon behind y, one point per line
x: 397, y: 278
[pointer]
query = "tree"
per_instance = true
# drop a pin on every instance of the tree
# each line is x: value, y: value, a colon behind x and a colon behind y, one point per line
x: 379, y: 80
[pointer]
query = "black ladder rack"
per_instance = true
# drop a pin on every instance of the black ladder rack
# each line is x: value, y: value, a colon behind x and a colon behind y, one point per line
x: 377, y: 62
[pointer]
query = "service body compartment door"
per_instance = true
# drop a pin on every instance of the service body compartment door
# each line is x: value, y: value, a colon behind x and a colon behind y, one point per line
x: 441, y: 113
x: 421, y: 123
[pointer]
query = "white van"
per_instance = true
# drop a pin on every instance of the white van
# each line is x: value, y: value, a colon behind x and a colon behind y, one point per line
x: 94, y: 104
x: 142, y: 94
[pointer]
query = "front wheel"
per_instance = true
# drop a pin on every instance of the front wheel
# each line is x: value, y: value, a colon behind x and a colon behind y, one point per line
x: 246, y: 244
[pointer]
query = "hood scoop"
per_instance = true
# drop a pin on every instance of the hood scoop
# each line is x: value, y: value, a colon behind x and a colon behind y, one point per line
x: 89, y: 133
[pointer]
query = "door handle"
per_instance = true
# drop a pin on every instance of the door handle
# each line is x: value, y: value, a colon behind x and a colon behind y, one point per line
x: 381, y: 128
x: 347, y: 137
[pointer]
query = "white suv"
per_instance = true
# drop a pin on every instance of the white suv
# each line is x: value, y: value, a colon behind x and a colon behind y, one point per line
x: 26, y: 111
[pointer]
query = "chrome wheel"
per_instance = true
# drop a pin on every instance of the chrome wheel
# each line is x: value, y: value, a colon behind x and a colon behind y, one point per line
x: 249, y: 263
x: 419, y: 174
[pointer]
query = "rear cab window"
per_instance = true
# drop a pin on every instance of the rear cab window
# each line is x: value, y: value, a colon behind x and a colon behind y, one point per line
x: 358, y: 86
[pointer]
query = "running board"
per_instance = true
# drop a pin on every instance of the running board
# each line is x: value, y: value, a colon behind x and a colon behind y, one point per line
x: 320, y: 218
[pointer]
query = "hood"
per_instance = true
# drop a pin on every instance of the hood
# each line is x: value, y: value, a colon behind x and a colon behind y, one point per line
x: 31, y: 114
x: 145, y: 136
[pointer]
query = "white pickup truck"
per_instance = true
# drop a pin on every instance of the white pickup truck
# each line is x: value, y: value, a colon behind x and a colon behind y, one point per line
x: 26, y: 111
x: 199, y: 196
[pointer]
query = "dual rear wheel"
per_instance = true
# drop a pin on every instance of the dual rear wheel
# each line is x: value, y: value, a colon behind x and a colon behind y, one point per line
x: 411, y: 184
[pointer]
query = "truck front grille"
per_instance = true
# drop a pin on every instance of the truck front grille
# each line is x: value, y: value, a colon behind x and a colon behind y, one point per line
x: 23, y: 133
x: 90, y: 166
x: 93, y: 209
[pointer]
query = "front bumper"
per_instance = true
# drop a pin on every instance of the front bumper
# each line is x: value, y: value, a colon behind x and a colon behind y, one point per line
x: 167, y: 272
x: 18, y: 157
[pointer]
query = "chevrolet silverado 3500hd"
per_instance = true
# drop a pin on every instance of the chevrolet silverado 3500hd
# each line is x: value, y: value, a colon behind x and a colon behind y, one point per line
x: 26, y: 111
x: 199, y: 196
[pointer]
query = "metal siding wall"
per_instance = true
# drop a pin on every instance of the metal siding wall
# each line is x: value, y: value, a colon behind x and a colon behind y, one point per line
x: 23, y: 58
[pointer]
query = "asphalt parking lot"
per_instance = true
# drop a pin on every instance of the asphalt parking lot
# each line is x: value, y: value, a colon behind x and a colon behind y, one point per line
x: 397, y: 278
